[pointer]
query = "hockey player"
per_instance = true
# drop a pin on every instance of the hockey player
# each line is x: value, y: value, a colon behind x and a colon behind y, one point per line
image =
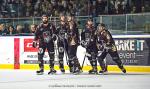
x: 45, y: 35
x: 88, y: 40
x: 62, y: 41
x: 73, y: 42
x: 106, y: 44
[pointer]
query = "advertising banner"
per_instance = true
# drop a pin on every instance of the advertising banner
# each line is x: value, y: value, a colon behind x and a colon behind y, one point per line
x: 18, y: 50
x: 132, y: 51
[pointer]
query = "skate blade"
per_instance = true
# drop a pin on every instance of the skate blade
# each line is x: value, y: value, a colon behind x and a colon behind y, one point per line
x: 77, y: 73
x: 40, y: 73
x: 51, y: 73
x: 105, y: 73
x: 93, y: 73
x: 62, y: 72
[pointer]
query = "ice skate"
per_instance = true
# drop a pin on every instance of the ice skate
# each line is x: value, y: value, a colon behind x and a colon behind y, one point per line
x: 40, y: 72
x: 93, y: 71
x: 103, y: 71
x: 123, y: 70
x: 52, y: 71
x: 62, y: 70
x: 77, y: 71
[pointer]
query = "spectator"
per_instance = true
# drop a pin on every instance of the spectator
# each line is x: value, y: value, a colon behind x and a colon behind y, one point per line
x: 37, y: 8
x: 118, y: 7
x: 11, y: 30
x: 29, y: 9
x: 126, y: 6
x: 19, y: 29
x: 147, y: 7
x: 45, y: 5
x: 143, y: 9
x: 4, y: 9
x: 84, y: 9
x: 100, y: 7
x: 64, y: 4
x: 60, y: 7
x: 111, y: 7
x: 50, y: 9
x: 12, y: 7
x: 26, y: 28
x: 133, y: 10
x: 21, y: 8
x: 3, y: 30
x: 32, y: 28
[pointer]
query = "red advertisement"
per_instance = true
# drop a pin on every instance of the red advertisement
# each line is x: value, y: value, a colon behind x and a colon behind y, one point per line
x: 28, y: 45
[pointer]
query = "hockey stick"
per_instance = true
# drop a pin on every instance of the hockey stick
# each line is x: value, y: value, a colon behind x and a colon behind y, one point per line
x: 83, y: 61
x: 58, y: 38
x: 66, y: 54
x: 86, y: 55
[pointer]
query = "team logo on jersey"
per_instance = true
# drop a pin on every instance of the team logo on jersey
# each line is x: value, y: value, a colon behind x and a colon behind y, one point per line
x: 40, y: 51
x: 61, y: 49
x: 46, y: 36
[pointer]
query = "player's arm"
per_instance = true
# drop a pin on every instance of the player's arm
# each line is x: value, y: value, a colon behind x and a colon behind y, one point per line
x: 83, y: 39
x: 54, y: 34
x: 109, y: 38
x: 36, y: 37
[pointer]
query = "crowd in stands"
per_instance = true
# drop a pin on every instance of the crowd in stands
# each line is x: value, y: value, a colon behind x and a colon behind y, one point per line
x: 29, y: 8
x: 35, y: 8
x: 17, y: 30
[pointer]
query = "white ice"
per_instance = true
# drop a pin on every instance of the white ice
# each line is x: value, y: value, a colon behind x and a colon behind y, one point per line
x: 27, y: 79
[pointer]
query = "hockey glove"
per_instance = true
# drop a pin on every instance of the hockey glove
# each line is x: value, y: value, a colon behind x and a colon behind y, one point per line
x: 34, y: 44
x: 83, y: 44
x: 54, y: 37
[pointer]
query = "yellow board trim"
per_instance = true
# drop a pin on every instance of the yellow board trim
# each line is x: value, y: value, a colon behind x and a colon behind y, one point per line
x: 85, y: 68
x: 6, y: 66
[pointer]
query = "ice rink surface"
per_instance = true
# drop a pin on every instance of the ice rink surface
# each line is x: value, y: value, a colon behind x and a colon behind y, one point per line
x: 27, y: 79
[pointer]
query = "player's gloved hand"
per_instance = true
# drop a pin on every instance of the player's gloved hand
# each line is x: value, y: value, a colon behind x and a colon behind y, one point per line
x: 66, y: 36
x: 83, y: 44
x: 99, y: 53
x: 34, y: 44
x: 100, y: 47
x: 107, y: 48
x: 54, y: 37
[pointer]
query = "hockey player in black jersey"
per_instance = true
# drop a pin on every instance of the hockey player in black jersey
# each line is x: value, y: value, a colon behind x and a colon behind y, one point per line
x: 45, y: 35
x: 88, y: 40
x: 73, y: 42
x: 62, y: 41
x: 106, y: 44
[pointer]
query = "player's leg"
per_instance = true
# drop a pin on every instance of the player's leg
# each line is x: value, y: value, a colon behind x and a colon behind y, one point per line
x: 100, y: 58
x: 51, y: 53
x: 116, y: 58
x: 77, y: 67
x: 61, y: 56
x: 70, y: 60
x: 93, y: 62
x: 41, y: 51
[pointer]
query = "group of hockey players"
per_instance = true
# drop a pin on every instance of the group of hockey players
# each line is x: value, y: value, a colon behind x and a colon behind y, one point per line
x: 97, y: 42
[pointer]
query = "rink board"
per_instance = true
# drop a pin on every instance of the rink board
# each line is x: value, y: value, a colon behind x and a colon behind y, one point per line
x: 85, y: 68
x: 18, y: 53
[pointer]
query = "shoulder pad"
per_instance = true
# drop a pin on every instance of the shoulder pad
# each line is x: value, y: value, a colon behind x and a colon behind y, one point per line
x: 40, y: 25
